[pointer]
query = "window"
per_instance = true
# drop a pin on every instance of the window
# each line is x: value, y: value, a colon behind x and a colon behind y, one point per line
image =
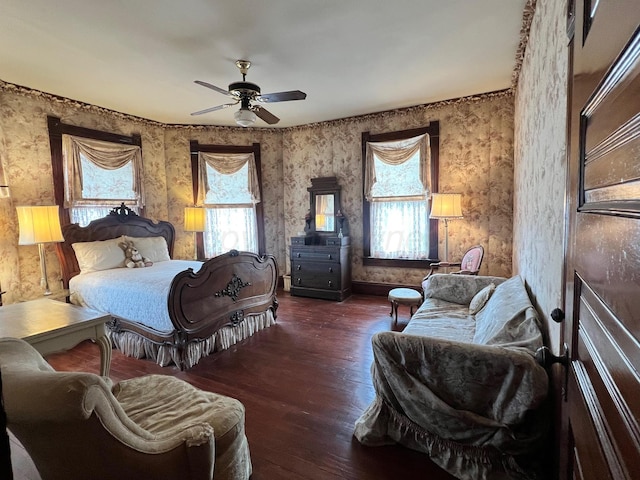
x: 227, y: 185
x: 99, y: 175
x: 94, y: 171
x: 400, y: 170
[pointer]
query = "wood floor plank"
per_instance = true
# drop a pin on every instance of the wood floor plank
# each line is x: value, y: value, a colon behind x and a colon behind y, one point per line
x: 303, y: 381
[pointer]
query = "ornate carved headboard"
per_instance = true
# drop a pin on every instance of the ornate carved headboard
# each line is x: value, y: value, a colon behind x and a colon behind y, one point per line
x: 120, y: 221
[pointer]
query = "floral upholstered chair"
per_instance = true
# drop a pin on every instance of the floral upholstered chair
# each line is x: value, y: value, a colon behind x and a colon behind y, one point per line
x: 470, y: 264
x: 77, y: 425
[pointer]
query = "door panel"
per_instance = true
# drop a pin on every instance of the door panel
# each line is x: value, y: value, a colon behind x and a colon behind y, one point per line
x: 601, y: 415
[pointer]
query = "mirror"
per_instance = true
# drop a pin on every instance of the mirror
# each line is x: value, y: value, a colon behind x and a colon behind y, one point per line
x: 325, y: 213
x: 325, y: 217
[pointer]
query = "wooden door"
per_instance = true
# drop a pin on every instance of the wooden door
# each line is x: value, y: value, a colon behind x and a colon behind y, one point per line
x: 601, y: 410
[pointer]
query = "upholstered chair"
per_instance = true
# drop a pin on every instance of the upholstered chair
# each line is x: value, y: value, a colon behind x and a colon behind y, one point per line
x: 469, y: 265
x: 80, y: 425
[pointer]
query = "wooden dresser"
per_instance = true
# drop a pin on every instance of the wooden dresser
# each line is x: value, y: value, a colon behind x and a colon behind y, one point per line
x: 321, y: 271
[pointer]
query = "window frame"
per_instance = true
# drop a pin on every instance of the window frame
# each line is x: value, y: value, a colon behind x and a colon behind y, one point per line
x: 195, y: 148
x: 56, y: 130
x: 433, y: 130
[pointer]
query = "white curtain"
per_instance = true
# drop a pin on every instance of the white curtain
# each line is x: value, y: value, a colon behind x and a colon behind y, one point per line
x: 228, y: 188
x: 230, y: 228
x: 397, y: 185
x: 399, y: 229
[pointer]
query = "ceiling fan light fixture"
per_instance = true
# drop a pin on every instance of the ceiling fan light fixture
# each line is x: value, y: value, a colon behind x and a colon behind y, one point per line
x: 245, y: 117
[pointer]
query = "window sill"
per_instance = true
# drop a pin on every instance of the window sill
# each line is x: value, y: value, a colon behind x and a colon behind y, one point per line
x: 397, y: 262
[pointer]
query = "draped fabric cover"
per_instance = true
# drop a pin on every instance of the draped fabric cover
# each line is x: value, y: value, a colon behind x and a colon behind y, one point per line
x: 227, y: 164
x: 105, y: 155
x: 466, y: 389
x: 397, y: 153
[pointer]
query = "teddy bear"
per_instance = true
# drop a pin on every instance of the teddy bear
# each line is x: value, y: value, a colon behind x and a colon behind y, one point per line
x: 132, y: 257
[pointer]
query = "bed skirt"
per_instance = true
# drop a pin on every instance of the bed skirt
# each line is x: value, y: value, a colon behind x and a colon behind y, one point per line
x: 134, y: 345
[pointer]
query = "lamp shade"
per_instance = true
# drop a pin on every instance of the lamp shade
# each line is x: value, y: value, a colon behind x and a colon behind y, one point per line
x: 194, y: 219
x: 39, y: 225
x: 446, y: 205
x: 245, y: 117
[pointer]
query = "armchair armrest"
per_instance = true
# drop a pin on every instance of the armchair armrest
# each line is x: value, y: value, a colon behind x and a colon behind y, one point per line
x: 437, y: 265
x: 446, y: 264
x: 66, y: 397
x: 463, y: 392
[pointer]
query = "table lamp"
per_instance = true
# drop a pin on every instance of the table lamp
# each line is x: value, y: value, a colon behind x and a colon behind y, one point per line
x: 40, y: 225
x: 194, y: 221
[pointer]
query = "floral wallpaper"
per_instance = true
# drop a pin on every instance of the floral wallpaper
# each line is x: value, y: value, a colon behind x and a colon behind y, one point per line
x: 24, y: 143
x: 540, y: 163
x: 476, y: 159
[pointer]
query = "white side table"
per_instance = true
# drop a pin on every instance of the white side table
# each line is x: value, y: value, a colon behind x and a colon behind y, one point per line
x: 51, y: 326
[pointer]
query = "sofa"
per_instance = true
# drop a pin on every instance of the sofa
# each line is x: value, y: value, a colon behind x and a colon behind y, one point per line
x: 461, y: 382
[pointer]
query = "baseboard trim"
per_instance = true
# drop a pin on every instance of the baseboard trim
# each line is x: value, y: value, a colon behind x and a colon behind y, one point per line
x: 377, y: 289
x: 367, y: 288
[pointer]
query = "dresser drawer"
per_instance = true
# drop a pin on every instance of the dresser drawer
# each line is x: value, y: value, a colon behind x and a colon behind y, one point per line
x: 313, y: 255
x: 326, y: 281
x: 314, y: 268
x: 301, y: 240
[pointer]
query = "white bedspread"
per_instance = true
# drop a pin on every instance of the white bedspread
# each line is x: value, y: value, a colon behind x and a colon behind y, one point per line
x: 137, y: 294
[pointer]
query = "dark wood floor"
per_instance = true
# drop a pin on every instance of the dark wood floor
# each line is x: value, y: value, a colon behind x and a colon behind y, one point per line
x: 303, y: 382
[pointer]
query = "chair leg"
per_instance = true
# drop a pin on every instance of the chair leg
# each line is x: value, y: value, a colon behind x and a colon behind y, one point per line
x: 394, y: 312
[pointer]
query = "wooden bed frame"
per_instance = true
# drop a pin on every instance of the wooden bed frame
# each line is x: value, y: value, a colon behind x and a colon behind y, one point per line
x: 228, y: 292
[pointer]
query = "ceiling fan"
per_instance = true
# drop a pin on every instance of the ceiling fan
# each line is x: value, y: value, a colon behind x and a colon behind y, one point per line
x: 245, y: 93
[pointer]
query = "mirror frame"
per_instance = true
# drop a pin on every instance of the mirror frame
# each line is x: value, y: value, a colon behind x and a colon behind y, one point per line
x: 324, y: 186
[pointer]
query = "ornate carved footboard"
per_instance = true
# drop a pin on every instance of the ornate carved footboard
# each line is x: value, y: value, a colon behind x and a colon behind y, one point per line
x: 230, y: 298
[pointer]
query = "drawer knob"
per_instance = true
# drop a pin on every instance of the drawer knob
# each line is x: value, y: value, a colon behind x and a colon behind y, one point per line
x: 330, y: 269
x: 298, y: 280
x: 329, y: 256
x: 298, y: 267
x: 330, y: 283
x: 298, y: 255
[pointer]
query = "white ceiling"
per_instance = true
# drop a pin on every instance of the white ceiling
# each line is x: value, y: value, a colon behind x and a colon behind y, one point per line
x: 351, y: 57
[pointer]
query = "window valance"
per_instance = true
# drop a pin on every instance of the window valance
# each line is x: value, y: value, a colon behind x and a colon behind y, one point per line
x: 396, y: 153
x: 227, y: 164
x: 105, y: 155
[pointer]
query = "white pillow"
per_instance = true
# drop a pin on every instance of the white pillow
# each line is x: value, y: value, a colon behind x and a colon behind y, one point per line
x: 153, y: 248
x: 480, y: 299
x: 100, y: 255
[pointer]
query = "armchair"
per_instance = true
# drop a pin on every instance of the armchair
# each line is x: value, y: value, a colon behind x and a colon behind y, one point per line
x: 79, y: 425
x: 469, y: 265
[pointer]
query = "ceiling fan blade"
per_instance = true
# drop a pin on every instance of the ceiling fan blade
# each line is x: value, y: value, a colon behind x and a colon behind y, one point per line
x: 213, y: 109
x: 265, y: 115
x: 282, y: 96
x: 213, y: 87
